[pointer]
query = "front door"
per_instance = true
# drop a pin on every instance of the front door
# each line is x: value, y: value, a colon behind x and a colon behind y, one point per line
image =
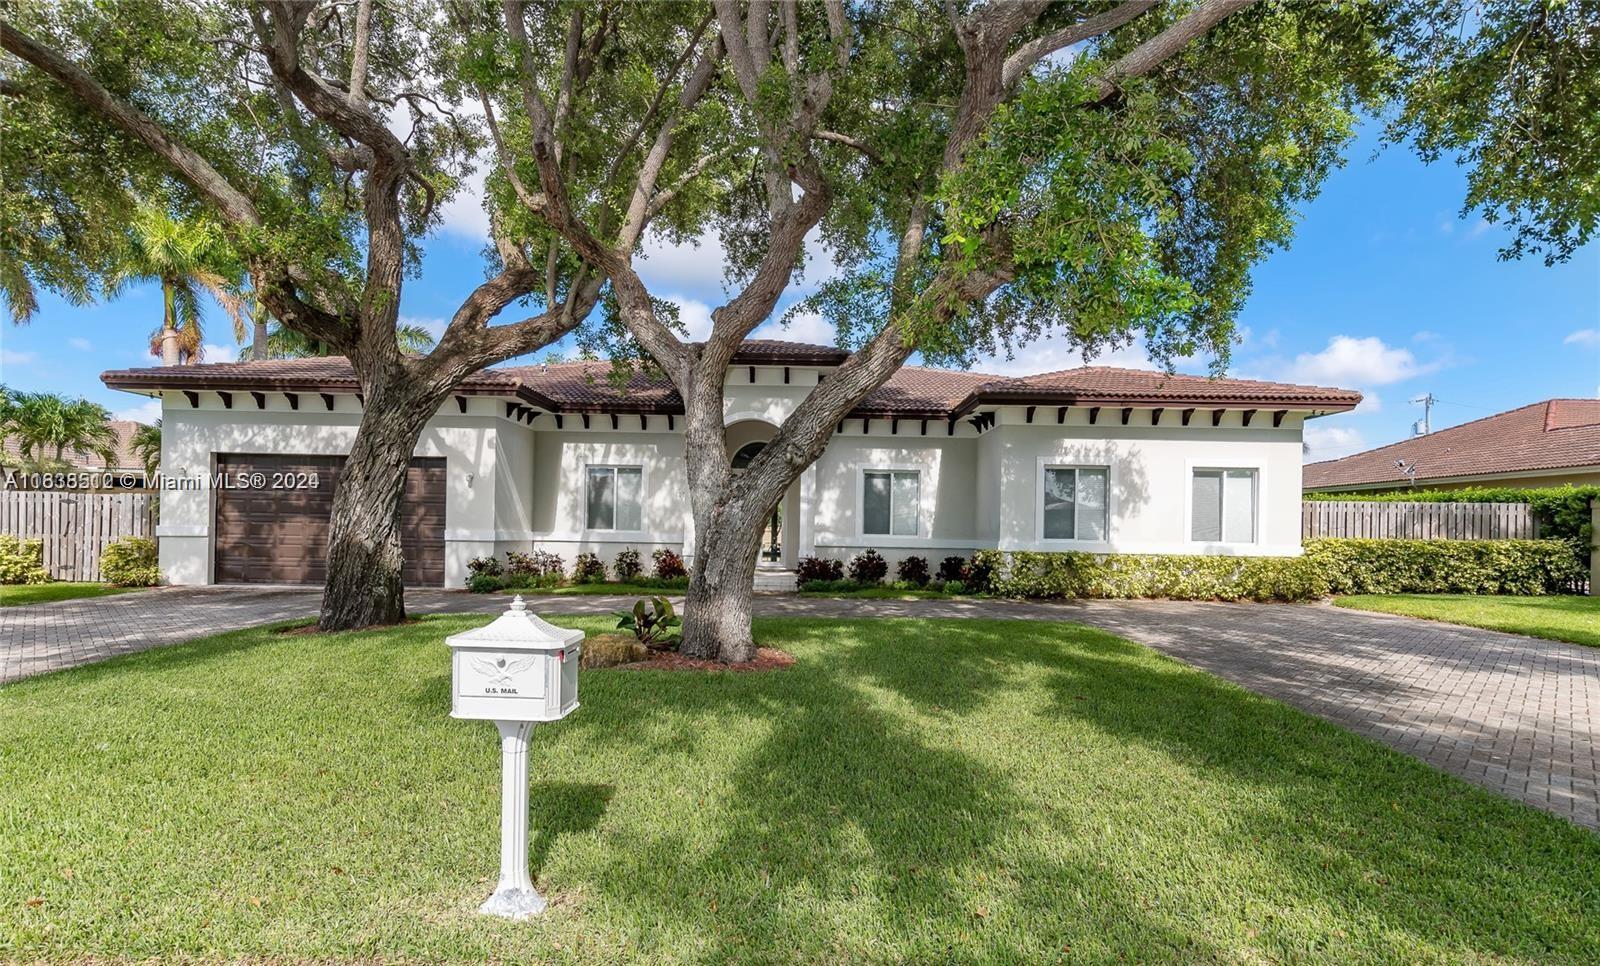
x: 772, y: 533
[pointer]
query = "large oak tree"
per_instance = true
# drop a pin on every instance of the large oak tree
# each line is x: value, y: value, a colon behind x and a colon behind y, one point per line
x: 986, y: 173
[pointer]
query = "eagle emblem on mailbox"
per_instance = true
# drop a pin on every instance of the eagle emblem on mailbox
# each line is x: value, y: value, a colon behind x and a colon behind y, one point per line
x: 500, y: 671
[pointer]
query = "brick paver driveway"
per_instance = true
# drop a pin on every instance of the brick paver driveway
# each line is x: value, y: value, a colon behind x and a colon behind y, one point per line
x: 1515, y: 715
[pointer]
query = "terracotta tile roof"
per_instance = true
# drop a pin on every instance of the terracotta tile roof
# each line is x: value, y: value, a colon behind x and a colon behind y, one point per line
x: 327, y: 372
x: 1550, y: 435
x: 780, y: 352
x: 914, y: 390
x: 1106, y: 382
x: 126, y: 458
x: 578, y: 386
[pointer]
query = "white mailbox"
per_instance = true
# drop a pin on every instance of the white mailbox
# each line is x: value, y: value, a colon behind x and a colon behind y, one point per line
x: 519, y: 668
x: 517, y: 671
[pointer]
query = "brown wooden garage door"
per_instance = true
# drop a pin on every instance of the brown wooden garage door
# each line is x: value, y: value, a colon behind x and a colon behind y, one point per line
x: 280, y: 534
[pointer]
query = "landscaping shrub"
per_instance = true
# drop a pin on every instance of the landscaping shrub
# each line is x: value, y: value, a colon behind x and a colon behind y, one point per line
x: 131, y: 562
x: 955, y: 586
x: 663, y: 583
x: 952, y: 568
x: 838, y: 586
x: 525, y: 571
x: 913, y: 570
x: 978, y: 572
x: 1445, y: 566
x: 589, y: 569
x: 817, y: 568
x: 868, y: 567
x: 1562, y: 512
x: 541, y: 568
x: 1336, y: 566
x: 22, y: 561
x: 653, y: 621
x: 485, y: 583
x: 627, y: 565
x: 668, y: 563
x: 479, y: 566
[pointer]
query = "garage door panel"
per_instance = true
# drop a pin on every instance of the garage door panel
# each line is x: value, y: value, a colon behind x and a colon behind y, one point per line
x: 266, y: 535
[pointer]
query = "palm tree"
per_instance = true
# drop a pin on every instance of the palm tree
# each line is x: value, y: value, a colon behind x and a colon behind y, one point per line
x: 146, y: 444
x: 52, y: 423
x: 186, y: 257
x: 285, y: 343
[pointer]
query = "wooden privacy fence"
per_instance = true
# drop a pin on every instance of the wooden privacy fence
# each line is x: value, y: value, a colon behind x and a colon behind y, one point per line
x: 75, y: 526
x: 1378, y: 520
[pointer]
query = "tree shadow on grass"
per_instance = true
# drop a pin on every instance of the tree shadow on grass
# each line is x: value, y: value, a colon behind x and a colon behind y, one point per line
x: 563, y: 808
x: 1337, y: 822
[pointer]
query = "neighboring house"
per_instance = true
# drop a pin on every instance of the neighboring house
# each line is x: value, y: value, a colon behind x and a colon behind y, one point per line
x: 126, y: 470
x: 556, y: 457
x: 1548, y: 443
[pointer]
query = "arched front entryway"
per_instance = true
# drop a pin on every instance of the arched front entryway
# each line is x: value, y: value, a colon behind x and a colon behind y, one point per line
x: 779, y: 538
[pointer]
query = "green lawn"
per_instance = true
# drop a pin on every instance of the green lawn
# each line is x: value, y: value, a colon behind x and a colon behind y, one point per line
x: 13, y: 595
x: 1575, y: 619
x: 912, y: 790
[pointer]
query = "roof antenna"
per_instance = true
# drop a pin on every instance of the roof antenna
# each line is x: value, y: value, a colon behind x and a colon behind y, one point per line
x: 1424, y: 426
x: 1409, y: 469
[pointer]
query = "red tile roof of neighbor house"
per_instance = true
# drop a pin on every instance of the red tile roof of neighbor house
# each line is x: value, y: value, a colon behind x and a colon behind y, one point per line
x: 126, y: 458
x: 1550, y: 435
x: 914, y: 390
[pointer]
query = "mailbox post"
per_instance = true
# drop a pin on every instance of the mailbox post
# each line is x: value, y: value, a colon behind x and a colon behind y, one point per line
x: 517, y: 671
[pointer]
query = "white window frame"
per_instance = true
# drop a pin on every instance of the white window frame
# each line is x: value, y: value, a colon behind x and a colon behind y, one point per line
x: 1046, y: 465
x: 888, y: 539
x: 1258, y: 499
x: 643, y: 489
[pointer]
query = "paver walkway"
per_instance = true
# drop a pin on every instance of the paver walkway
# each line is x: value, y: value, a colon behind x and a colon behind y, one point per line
x: 1513, y: 714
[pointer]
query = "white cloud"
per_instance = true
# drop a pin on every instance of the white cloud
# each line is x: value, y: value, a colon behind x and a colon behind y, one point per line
x: 435, y: 327
x: 699, y: 264
x: 1478, y: 228
x: 1332, y: 442
x: 1370, y: 403
x: 10, y: 357
x: 1583, y: 337
x: 82, y: 345
x: 1351, y: 361
x: 1057, y: 352
x: 464, y: 214
x: 694, y: 264
x: 804, y: 327
x: 220, y: 353
x: 146, y: 412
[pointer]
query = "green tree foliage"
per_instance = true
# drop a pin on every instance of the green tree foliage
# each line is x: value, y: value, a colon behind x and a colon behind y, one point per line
x: 186, y: 257
x: 146, y: 444
x: 284, y: 343
x: 45, y: 426
x: 1511, y: 90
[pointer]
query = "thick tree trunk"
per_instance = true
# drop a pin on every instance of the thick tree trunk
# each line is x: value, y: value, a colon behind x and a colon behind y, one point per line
x: 258, y: 343
x: 719, y: 604
x: 364, y: 586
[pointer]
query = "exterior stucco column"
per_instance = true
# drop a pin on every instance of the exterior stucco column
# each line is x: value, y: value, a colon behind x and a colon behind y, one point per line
x: 806, y: 537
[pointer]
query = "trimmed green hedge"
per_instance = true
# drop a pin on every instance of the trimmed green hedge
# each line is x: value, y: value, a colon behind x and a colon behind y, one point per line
x: 1328, y: 566
x: 22, y: 561
x: 1562, y: 511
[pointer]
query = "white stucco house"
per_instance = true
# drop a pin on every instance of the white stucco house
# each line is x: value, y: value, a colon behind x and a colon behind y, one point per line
x: 934, y: 463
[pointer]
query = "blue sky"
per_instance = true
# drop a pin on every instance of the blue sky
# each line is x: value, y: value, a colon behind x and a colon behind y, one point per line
x: 1385, y: 289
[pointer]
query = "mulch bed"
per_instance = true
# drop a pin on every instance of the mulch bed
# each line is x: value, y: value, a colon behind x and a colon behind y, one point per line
x: 767, y: 659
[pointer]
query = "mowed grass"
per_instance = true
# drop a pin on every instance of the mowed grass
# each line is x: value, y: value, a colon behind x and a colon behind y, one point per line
x: 15, y: 595
x: 914, y: 790
x: 1559, y: 618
